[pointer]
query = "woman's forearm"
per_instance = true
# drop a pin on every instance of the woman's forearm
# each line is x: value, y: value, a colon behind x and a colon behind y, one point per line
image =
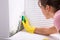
x: 46, y: 31
x: 42, y: 31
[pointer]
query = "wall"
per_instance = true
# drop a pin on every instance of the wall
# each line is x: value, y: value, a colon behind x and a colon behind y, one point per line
x: 4, y: 19
x: 10, y: 12
x: 16, y: 8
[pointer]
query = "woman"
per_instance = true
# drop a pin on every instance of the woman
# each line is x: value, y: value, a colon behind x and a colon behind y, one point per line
x: 51, y: 9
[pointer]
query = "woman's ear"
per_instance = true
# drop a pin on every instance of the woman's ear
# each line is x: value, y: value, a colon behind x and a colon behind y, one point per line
x: 47, y: 8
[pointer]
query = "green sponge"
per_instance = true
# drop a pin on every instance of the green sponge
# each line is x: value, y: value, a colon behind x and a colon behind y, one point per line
x: 23, y: 19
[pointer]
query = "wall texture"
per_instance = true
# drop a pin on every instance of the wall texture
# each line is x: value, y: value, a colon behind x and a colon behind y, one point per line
x: 16, y: 8
x: 4, y: 19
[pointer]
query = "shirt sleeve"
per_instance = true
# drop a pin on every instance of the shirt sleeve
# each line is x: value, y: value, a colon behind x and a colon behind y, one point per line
x: 57, y: 21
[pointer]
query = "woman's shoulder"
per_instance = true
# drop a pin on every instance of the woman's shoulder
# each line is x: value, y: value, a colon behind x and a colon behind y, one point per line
x: 57, y: 14
x: 57, y: 19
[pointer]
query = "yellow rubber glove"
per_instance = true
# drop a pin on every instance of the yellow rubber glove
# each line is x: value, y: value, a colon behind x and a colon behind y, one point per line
x: 27, y: 26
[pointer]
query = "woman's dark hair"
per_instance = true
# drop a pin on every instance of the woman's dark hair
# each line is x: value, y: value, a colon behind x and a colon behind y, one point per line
x: 54, y: 3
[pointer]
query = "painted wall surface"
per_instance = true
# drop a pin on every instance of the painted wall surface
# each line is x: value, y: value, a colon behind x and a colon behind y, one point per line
x: 16, y: 8
x: 10, y: 12
x: 4, y: 19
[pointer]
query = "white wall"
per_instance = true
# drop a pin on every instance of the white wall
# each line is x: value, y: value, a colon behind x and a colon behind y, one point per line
x: 16, y: 8
x: 10, y: 12
x: 34, y: 14
x: 4, y: 19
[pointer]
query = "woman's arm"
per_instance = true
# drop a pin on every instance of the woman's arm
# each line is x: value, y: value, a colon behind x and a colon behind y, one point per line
x: 46, y: 31
x: 31, y: 29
